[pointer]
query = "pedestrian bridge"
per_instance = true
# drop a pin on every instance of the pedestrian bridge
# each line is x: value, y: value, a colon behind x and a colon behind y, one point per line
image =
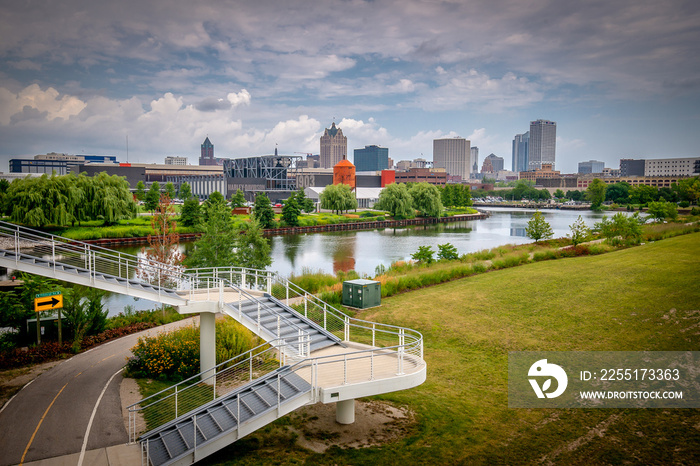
x: 313, y: 352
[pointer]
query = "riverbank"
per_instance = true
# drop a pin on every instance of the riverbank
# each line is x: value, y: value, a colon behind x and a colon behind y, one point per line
x: 534, y: 205
x: 348, y: 226
x: 629, y: 300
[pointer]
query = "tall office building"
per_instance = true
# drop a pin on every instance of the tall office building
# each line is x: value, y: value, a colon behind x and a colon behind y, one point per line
x: 207, y: 154
x: 371, y: 158
x: 543, y: 143
x: 334, y: 147
x: 475, y: 159
x: 521, y: 158
x: 454, y: 155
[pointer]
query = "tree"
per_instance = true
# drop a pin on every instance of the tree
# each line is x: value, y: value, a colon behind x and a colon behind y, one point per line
x: 396, y: 199
x: 426, y: 199
x: 214, y: 203
x: 688, y: 189
x: 305, y: 204
x: 574, y: 195
x: 140, y: 191
x: 238, y: 199
x: 447, y: 252
x: 162, y: 258
x: 538, y: 228
x: 109, y: 199
x: 559, y: 194
x: 662, y: 210
x: 252, y: 249
x: 170, y: 190
x: 424, y: 255
x: 338, y: 198
x: 262, y: 211
x: 215, y: 248
x: 185, y: 191
x: 618, y: 193
x: 191, y: 214
x: 643, y: 194
x: 579, y: 231
x: 152, y: 197
x: 595, y: 194
x: 290, y: 212
x: 626, y: 227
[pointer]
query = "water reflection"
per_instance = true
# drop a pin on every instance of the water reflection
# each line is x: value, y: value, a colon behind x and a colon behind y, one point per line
x: 363, y: 251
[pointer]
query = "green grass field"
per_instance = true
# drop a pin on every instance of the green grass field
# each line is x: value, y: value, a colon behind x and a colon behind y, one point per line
x: 641, y: 298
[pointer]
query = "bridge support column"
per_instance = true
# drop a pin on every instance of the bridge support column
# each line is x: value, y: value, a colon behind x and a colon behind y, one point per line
x: 207, y: 344
x: 345, y: 412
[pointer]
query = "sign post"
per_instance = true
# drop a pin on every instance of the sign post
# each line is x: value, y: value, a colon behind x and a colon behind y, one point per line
x: 48, y: 302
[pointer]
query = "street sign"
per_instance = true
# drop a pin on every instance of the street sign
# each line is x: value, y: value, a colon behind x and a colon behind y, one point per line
x: 48, y: 301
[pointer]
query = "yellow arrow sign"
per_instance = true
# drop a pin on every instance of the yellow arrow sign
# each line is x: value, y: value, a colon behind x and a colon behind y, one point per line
x: 48, y: 303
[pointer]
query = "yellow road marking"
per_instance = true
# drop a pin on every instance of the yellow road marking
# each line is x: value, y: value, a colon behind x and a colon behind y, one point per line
x: 39, y: 425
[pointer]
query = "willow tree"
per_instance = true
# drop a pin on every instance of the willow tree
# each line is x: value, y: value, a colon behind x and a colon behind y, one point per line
x: 396, y: 199
x: 47, y: 200
x: 110, y: 199
x: 426, y: 199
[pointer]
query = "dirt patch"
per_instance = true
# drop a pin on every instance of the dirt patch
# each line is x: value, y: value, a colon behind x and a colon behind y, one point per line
x: 12, y: 380
x: 376, y: 423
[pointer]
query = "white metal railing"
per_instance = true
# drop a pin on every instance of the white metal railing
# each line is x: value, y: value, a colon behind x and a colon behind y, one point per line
x: 315, y: 309
x: 391, y: 349
x: 179, y: 399
x: 326, y: 371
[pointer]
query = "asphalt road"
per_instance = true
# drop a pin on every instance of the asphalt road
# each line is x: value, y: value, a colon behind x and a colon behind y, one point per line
x: 49, y: 417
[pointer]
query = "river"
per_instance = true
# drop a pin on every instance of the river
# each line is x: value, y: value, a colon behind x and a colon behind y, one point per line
x: 363, y: 251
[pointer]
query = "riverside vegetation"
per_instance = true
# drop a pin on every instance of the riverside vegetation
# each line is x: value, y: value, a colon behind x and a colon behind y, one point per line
x: 630, y: 299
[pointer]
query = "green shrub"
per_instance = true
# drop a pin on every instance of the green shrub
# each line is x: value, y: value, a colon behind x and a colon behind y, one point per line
x: 311, y: 281
x: 549, y: 254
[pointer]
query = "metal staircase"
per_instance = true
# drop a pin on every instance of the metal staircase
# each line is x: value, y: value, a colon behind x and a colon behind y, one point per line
x: 332, y: 357
x: 224, y: 420
x: 292, y: 323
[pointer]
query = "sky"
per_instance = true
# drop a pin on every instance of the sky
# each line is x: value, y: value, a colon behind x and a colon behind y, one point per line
x: 620, y: 78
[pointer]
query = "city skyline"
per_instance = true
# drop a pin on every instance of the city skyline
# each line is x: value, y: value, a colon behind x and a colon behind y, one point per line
x: 81, y: 77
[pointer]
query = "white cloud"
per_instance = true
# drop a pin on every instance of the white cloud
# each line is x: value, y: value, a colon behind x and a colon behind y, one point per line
x: 457, y: 90
x: 33, y: 97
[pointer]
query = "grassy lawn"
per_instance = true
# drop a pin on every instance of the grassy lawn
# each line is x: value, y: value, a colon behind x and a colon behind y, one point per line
x: 641, y: 298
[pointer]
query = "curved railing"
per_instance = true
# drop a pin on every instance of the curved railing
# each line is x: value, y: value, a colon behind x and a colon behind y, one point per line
x: 314, y: 308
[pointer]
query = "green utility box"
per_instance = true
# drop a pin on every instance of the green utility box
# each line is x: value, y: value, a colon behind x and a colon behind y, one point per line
x: 362, y: 294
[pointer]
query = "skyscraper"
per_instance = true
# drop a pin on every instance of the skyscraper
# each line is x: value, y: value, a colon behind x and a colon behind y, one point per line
x: 521, y: 144
x: 371, y: 158
x: 207, y: 155
x: 475, y: 159
x: 334, y: 147
x: 543, y: 143
x: 454, y: 155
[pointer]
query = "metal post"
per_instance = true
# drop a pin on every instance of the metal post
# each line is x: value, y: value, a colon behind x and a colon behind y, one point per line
x: 256, y: 281
x: 373, y: 333
x: 347, y: 328
x: 195, y: 432
x: 371, y: 365
x: 269, y: 282
x: 53, y: 254
x: 324, y: 316
x: 287, y: 287
x: 306, y: 302
x: 175, y: 401
x: 251, y: 368
x: 242, y: 278
x: 258, y: 316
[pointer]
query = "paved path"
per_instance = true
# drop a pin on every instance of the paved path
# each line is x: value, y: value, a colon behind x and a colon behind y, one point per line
x: 50, y: 416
